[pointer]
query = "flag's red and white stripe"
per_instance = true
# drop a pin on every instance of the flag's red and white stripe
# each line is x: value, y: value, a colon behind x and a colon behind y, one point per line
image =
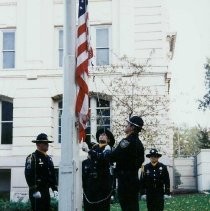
x: 84, y: 53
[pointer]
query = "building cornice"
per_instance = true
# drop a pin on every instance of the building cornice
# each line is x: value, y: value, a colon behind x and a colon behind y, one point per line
x: 31, y: 74
x: 8, y: 3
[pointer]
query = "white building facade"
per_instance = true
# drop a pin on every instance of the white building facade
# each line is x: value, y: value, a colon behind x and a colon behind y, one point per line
x: 31, y: 83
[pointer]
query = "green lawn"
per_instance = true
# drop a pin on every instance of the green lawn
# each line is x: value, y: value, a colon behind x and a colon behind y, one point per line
x: 192, y: 202
x: 184, y: 202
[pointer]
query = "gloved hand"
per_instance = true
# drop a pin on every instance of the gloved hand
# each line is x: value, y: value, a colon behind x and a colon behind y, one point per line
x: 37, y: 195
x: 167, y: 196
x: 56, y: 194
x: 143, y: 197
x: 107, y: 147
x: 85, y: 147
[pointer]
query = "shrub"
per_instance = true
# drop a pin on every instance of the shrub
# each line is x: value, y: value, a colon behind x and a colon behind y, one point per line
x: 22, y: 206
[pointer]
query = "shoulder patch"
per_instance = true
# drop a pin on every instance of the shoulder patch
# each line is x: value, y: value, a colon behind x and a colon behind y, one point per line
x: 28, y: 161
x: 124, y: 143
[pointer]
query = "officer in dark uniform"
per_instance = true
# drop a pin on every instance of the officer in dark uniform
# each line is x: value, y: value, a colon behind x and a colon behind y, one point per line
x: 129, y: 156
x: 40, y: 175
x: 97, y: 175
x: 154, y: 182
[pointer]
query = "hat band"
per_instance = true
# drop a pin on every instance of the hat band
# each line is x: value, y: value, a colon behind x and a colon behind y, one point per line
x: 133, y: 123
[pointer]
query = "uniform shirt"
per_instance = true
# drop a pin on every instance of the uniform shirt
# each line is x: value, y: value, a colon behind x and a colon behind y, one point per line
x: 128, y: 155
x: 96, y: 178
x: 39, y: 172
x: 155, y: 179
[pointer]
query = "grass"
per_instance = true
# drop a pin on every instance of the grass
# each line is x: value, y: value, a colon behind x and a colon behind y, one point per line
x: 181, y: 202
x: 191, y: 202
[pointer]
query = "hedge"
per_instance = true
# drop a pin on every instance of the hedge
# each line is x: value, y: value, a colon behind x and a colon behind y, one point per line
x: 6, y: 205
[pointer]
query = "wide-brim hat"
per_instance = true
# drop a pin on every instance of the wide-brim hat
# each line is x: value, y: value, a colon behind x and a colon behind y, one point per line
x: 42, y: 138
x: 136, y: 121
x: 109, y: 135
x: 153, y: 152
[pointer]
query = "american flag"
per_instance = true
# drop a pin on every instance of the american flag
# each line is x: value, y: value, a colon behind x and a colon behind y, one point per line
x: 84, y: 53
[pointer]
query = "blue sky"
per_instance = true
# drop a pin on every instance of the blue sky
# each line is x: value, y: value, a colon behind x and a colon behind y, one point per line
x: 190, y: 19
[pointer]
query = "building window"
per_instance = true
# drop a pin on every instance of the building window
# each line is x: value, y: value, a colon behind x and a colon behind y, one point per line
x: 60, y: 107
x: 6, y: 122
x: 8, y: 49
x: 5, y: 180
x: 88, y: 132
x: 100, y: 116
x: 103, y: 114
x: 100, y: 41
x: 102, y: 46
x: 60, y: 48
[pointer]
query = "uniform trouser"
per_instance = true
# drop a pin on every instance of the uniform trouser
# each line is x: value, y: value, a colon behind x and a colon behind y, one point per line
x: 102, y: 206
x: 128, y: 195
x: 155, y: 202
x: 41, y: 204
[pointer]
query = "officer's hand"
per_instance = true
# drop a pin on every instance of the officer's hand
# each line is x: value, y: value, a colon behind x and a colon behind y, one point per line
x: 107, y: 147
x: 56, y: 194
x: 85, y: 147
x: 167, y: 196
x: 37, y: 195
x: 143, y: 197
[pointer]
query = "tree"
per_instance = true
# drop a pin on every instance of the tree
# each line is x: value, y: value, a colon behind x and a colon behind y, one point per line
x: 185, y: 141
x: 204, y: 139
x: 189, y: 141
x: 133, y: 90
x: 205, y: 102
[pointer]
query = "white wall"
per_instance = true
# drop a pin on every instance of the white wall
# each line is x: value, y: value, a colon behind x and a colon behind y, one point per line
x: 37, y: 78
x: 203, y: 170
x: 187, y: 169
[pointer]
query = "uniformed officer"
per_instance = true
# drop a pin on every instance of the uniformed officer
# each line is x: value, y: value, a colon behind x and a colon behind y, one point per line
x: 129, y: 156
x: 154, y: 182
x: 40, y: 175
x: 97, y: 175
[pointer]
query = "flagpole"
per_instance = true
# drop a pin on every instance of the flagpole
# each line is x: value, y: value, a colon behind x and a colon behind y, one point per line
x: 69, y: 147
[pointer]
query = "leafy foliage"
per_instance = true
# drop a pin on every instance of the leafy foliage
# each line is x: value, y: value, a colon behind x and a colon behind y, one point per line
x: 203, y: 139
x: 188, y: 141
x: 205, y: 102
x: 185, y: 141
x: 14, y: 206
x: 6, y: 205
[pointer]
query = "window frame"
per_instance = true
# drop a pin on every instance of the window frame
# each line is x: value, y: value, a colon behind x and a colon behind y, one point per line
x: 93, y: 126
x: 58, y: 48
x: 6, y: 171
x: 60, y: 110
x: 9, y: 121
x: 93, y: 30
x: 56, y: 114
x: 2, y: 31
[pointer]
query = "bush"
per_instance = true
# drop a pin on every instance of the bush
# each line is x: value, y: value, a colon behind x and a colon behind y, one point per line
x: 14, y: 206
x: 21, y: 206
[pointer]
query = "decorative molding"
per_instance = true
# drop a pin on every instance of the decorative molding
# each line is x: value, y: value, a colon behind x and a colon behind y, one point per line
x: 58, y: 1
x: 11, y: 3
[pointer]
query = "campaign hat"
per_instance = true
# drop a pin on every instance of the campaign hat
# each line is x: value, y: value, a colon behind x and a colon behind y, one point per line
x: 136, y: 121
x: 153, y: 152
x: 108, y: 133
x: 42, y: 138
